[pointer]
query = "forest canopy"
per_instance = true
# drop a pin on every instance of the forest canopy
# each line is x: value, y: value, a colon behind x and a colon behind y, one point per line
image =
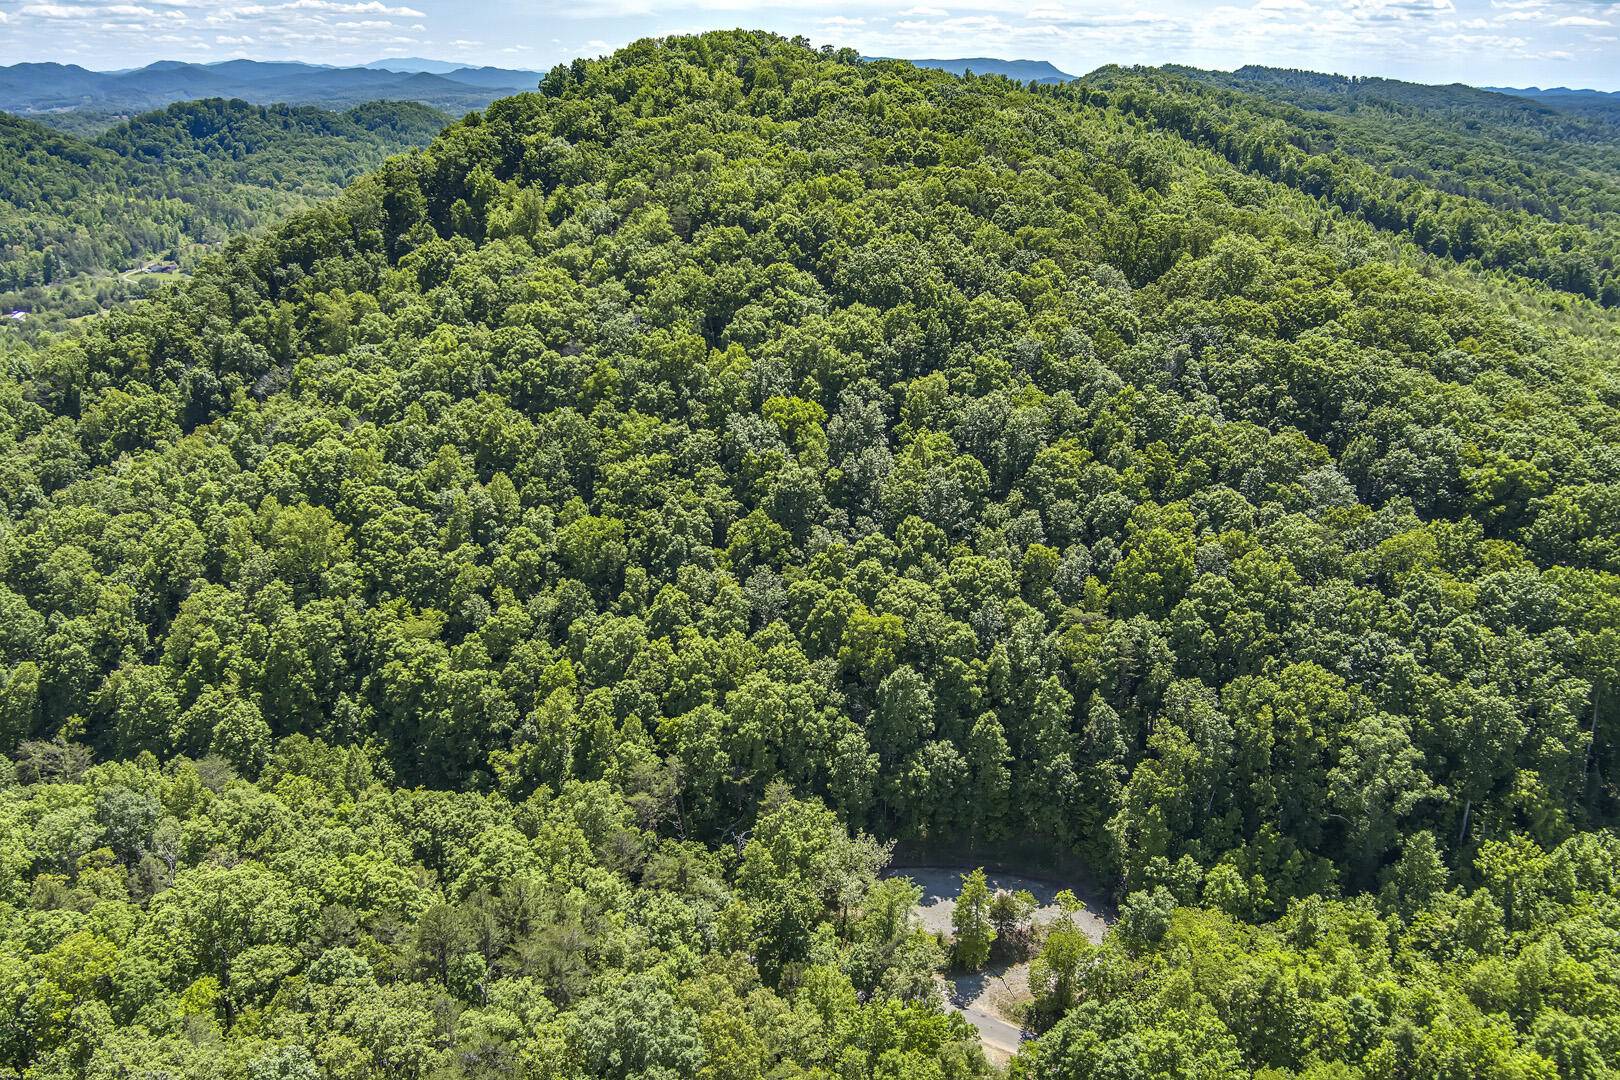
x: 495, y: 621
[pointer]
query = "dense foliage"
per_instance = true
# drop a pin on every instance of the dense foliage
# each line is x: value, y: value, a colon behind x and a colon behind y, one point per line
x: 1514, y: 979
x: 194, y: 173
x: 321, y: 922
x: 729, y: 418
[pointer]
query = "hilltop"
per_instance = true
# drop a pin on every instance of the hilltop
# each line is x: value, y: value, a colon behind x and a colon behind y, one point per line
x: 497, y: 620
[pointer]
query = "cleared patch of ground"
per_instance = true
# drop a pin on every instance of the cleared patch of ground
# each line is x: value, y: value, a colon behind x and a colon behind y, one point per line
x: 991, y: 999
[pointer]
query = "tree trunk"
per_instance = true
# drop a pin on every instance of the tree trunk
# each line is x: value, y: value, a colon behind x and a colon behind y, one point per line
x: 1591, y: 737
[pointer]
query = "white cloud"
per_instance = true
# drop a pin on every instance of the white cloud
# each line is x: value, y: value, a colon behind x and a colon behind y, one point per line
x: 372, y: 7
x: 1580, y: 20
x: 1397, y: 10
x: 135, y: 11
x: 56, y: 11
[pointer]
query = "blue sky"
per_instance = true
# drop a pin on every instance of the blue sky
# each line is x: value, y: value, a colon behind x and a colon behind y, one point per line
x: 1489, y: 42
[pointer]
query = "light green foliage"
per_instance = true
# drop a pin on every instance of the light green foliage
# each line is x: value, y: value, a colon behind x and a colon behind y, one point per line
x: 305, y: 925
x: 1511, y: 980
x: 973, y: 922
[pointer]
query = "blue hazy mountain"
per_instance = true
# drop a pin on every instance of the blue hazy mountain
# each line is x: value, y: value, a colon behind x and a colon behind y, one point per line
x: 1555, y: 92
x: 1599, y: 103
x: 412, y: 64
x: 1023, y: 70
x: 494, y: 78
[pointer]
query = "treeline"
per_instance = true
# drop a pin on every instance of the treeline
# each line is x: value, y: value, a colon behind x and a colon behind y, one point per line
x: 980, y: 462
x: 196, y: 172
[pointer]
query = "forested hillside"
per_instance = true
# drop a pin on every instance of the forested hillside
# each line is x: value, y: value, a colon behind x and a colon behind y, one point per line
x: 194, y: 173
x: 494, y: 622
x: 1502, y: 183
x: 1509, y: 152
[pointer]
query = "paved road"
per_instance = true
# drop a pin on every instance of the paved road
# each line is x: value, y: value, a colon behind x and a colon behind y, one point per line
x: 972, y: 996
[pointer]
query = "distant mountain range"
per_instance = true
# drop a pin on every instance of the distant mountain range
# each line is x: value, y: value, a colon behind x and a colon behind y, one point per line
x: 1040, y: 71
x: 1022, y: 70
x: 1555, y: 92
x: 48, y: 91
x: 415, y: 63
x: 33, y: 89
x: 1597, y: 103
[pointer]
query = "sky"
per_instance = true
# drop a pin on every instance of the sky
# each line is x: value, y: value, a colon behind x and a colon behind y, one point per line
x: 1481, y: 42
